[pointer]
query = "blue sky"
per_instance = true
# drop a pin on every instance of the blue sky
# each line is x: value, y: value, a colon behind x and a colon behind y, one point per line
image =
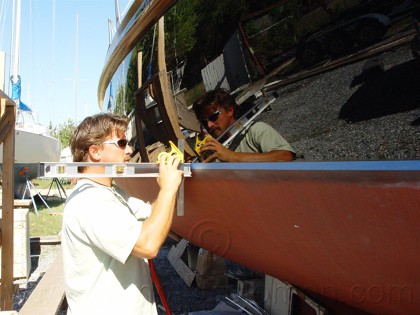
x: 48, y: 54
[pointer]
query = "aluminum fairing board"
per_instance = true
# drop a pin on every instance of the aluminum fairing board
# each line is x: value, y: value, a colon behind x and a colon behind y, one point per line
x: 350, y: 235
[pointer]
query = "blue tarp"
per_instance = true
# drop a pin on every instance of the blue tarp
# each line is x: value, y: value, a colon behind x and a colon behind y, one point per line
x: 24, y: 107
x: 16, y: 90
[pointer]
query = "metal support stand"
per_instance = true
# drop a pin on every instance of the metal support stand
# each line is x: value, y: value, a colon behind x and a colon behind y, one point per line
x: 60, y: 188
x: 29, y: 185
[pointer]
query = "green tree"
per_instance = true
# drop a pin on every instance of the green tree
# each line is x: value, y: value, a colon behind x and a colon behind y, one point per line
x: 64, y: 132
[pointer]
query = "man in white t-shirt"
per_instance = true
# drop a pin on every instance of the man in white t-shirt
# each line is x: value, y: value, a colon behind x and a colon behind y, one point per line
x: 108, y: 236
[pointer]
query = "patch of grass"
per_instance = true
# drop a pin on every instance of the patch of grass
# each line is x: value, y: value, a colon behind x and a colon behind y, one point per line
x: 46, y: 183
x: 46, y: 223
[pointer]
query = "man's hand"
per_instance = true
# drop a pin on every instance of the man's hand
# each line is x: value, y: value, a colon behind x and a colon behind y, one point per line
x: 225, y: 155
x: 219, y: 151
x: 169, y: 175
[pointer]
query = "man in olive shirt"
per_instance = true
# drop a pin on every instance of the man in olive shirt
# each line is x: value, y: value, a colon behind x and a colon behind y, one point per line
x: 258, y: 142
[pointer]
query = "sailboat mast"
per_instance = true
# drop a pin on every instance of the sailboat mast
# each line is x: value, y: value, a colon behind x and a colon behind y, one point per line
x: 76, y: 67
x: 117, y: 13
x: 110, y: 32
x: 16, y: 39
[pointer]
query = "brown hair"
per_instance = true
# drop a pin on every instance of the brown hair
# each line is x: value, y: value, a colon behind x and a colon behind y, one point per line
x: 218, y: 97
x: 94, y: 130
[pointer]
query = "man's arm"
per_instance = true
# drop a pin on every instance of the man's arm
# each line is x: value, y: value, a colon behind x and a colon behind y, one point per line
x: 156, y: 227
x: 224, y: 154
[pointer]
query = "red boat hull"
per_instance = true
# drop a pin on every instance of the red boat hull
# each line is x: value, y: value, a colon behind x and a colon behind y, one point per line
x: 346, y: 231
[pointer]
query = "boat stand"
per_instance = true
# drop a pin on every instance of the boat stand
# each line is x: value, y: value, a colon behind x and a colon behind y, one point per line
x: 60, y: 188
x: 29, y: 185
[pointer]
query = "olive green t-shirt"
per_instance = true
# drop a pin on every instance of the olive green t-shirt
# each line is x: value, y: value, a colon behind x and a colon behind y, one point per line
x: 261, y: 138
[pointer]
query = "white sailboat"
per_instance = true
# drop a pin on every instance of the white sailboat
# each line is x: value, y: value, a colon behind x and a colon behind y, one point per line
x: 33, y: 143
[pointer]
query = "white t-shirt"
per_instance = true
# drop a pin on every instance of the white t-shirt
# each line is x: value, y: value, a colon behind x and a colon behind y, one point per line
x: 100, y: 227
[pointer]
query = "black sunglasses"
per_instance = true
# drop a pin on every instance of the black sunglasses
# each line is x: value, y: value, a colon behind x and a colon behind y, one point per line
x: 213, y: 117
x: 121, y: 143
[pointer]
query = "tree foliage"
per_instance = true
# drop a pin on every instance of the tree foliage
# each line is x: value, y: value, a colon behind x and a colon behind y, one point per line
x: 196, y: 31
x: 64, y: 132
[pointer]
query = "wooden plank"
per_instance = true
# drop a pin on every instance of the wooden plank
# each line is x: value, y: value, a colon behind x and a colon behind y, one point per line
x: 165, y: 87
x: 48, y: 295
x: 21, y: 244
x: 19, y: 203
x: 174, y: 257
x: 186, y: 118
x: 6, y: 298
x: 326, y: 66
x: 22, y: 203
x: 6, y: 123
x: 8, y: 118
x: 3, y: 95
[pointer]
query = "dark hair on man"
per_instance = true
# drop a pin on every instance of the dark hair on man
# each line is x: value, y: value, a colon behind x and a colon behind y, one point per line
x: 94, y: 130
x: 214, y: 98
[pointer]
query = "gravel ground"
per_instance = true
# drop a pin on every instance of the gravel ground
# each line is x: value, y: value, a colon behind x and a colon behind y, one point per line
x: 339, y: 115
x: 181, y: 298
x: 40, y: 262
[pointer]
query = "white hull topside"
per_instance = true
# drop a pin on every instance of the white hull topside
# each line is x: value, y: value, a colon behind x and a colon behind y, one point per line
x: 33, y: 147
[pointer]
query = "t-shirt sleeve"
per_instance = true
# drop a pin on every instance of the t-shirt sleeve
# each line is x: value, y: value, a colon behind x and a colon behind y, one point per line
x: 141, y: 209
x: 266, y: 139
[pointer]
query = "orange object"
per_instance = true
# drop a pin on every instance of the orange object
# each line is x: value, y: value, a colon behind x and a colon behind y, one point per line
x: 155, y: 280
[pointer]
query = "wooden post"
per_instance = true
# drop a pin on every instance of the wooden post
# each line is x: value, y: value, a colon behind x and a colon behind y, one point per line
x: 7, y: 132
x: 165, y: 86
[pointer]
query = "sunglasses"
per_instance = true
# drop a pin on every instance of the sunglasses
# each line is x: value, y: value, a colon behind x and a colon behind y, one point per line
x: 213, y: 117
x: 121, y: 143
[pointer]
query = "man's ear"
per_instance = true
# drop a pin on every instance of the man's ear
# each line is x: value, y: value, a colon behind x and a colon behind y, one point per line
x: 95, y: 152
x: 230, y: 111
